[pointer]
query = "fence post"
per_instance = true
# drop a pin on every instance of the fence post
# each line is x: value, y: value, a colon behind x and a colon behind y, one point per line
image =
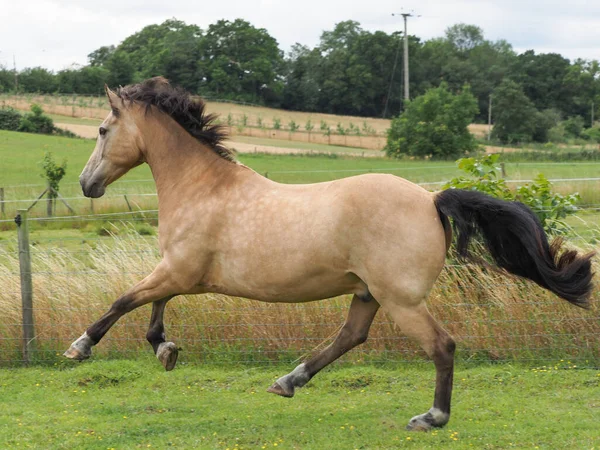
x: 2, y: 201
x: 128, y: 204
x: 26, y: 285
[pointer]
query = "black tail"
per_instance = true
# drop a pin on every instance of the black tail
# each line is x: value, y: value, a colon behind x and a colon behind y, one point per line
x: 517, y: 242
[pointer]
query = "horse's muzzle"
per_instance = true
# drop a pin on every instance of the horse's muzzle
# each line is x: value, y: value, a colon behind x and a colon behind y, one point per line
x: 93, y: 190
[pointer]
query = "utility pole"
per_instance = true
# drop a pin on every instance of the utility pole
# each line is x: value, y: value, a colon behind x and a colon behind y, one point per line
x: 406, y: 76
x: 405, y: 16
x: 16, y: 74
x: 490, y: 119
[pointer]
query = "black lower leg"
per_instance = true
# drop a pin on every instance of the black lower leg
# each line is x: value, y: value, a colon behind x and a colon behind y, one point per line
x: 444, y: 363
x: 156, y: 331
x: 98, y: 329
x: 354, y: 332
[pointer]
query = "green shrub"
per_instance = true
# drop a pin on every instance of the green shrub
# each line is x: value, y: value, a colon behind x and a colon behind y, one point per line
x: 53, y: 173
x: 293, y: 126
x: 544, y: 121
x: 309, y: 126
x: 36, y: 121
x: 145, y: 230
x: 557, y: 134
x: 9, y: 119
x: 64, y: 133
x: 592, y: 134
x: 434, y: 125
x: 551, y: 208
x: 573, y: 126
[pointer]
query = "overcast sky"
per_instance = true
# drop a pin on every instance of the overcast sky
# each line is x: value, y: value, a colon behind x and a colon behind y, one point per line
x: 59, y: 33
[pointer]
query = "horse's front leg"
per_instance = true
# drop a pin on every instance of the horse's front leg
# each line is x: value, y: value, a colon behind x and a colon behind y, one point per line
x: 156, y: 286
x: 166, y: 352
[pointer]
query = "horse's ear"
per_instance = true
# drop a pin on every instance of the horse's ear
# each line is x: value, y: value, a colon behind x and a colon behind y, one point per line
x: 113, y: 99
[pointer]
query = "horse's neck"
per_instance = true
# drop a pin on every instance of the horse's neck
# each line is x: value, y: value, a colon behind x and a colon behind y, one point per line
x: 182, y: 166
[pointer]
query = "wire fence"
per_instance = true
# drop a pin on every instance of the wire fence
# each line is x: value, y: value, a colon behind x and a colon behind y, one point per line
x: 139, y: 195
x: 77, y: 275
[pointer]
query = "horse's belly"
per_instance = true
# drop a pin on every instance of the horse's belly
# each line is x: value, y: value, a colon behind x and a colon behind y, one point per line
x: 292, y: 288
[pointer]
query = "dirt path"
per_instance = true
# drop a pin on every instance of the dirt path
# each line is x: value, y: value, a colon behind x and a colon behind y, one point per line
x: 90, y: 132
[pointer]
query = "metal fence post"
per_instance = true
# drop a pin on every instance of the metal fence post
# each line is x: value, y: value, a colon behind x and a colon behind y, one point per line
x: 26, y: 285
x: 2, y: 201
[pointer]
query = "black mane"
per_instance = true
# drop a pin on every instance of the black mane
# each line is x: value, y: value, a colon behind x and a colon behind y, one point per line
x: 185, y: 110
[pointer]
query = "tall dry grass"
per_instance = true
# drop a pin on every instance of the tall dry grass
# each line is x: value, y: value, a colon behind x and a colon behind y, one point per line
x: 492, y: 316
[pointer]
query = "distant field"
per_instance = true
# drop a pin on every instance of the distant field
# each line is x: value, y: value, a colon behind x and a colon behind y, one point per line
x: 97, y: 108
x: 242, y: 120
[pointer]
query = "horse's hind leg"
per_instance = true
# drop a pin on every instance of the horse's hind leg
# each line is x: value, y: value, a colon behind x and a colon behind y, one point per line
x: 416, y: 322
x: 166, y: 352
x: 353, y: 333
x: 155, y: 286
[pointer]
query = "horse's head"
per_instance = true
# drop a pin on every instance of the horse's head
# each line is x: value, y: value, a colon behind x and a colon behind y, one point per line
x: 118, y: 148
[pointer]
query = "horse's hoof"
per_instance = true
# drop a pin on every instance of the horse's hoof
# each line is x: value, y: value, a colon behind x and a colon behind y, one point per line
x: 75, y: 354
x: 167, y: 354
x: 80, y: 349
x: 418, y: 426
x: 434, y: 418
x: 276, y: 388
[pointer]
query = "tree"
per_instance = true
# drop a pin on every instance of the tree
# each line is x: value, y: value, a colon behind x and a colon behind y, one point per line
x: 542, y: 78
x: 241, y: 62
x: 53, y: 173
x: 100, y: 56
x: 170, y: 49
x: 7, y: 79
x: 37, y: 79
x: 515, y: 116
x: 88, y: 80
x: 434, y: 125
x: 463, y: 37
x: 302, y: 86
x: 120, y: 69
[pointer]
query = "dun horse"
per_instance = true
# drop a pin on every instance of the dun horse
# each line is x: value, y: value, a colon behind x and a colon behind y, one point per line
x: 224, y: 228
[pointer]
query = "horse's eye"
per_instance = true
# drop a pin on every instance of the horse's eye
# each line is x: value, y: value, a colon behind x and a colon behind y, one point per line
x: 102, y: 131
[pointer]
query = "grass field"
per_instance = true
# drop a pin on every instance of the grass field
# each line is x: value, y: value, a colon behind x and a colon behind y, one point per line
x: 124, y: 404
x: 21, y: 154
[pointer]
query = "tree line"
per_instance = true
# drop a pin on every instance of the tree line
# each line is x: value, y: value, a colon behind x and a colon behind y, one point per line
x: 350, y: 71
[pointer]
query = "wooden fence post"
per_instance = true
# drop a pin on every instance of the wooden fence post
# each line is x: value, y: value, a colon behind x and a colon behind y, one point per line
x: 26, y: 284
x: 128, y: 204
x: 2, y: 201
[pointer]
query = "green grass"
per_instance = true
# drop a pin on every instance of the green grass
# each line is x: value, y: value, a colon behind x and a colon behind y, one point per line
x: 125, y: 404
x: 21, y: 154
